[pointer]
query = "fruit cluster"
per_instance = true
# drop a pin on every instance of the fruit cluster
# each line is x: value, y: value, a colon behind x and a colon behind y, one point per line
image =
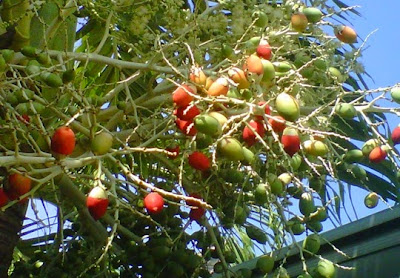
x: 245, y: 144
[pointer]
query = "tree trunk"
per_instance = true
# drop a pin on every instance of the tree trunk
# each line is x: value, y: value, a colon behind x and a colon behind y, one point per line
x: 10, y: 226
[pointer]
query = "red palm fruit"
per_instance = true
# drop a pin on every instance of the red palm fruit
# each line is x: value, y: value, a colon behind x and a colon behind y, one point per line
x: 249, y: 136
x: 24, y: 118
x: 197, y: 213
x: 254, y: 65
x: 3, y: 198
x: 238, y: 76
x: 290, y: 141
x: 97, y: 202
x: 154, y: 203
x: 267, y: 110
x: 346, y: 34
x: 277, y: 124
x: 187, y: 127
x: 63, y: 141
x: 187, y: 113
x: 174, y: 150
x: 199, y: 161
x: 219, y: 87
x: 17, y: 186
x: 181, y: 96
x: 197, y: 76
x: 264, y: 50
x: 377, y: 155
x: 396, y: 135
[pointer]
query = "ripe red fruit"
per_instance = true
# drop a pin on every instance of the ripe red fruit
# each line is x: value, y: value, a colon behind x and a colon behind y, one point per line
x: 173, y: 149
x: 346, y: 34
x: 3, y: 198
x: 377, y: 155
x: 63, y: 141
x: 249, y: 136
x: 24, y: 118
x: 396, y: 135
x: 97, y: 202
x: 198, y: 212
x: 181, y: 96
x: 154, y: 203
x: 253, y: 65
x: 267, y: 110
x: 199, y: 161
x: 17, y: 186
x: 264, y: 50
x: 277, y: 126
x: 187, y: 127
x: 187, y: 113
x: 290, y: 141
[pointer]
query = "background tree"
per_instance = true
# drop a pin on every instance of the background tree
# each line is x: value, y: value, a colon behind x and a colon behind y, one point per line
x: 244, y: 117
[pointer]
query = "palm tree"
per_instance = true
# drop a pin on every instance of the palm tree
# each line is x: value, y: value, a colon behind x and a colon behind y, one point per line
x: 106, y: 68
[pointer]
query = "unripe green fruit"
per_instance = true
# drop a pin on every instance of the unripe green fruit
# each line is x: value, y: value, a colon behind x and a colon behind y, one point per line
x: 312, y: 243
x: 306, y: 204
x: 269, y: 71
x: 281, y: 272
x: 240, y: 215
x: 22, y: 108
x: 207, y: 125
x: 325, y: 269
x: 313, y: 14
x: 265, y: 264
x: 314, y: 226
x: 249, y: 156
x: 203, y: 141
x: 218, y: 267
x: 102, y: 143
x: 282, y: 66
x: 43, y: 59
x: 226, y: 50
x: 68, y: 76
x: 244, y: 273
x: 336, y: 74
x: 358, y: 172
x: 395, y: 94
x: 368, y: 146
x: 287, y: 106
x: 219, y: 117
x: 353, y: 156
x: 276, y: 186
x: 262, y: 19
x: 371, y: 200
x: 8, y: 55
x: 231, y: 149
x: 51, y: 79
x: 256, y: 234
x: 3, y: 64
x: 261, y: 194
x: 320, y: 215
x: 29, y: 51
x: 295, y: 161
x: 346, y: 110
x: 320, y: 64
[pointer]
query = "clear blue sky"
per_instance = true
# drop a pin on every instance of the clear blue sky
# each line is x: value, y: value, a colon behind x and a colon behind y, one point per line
x: 381, y: 60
